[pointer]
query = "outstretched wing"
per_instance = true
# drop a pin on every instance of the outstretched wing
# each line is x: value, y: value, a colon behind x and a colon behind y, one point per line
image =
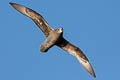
x: 75, y: 51
x: 37, y: 18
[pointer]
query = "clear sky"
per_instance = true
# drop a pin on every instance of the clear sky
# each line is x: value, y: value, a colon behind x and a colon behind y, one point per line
x: 92, y: 25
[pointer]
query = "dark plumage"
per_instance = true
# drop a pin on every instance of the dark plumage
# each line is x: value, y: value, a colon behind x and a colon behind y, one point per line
x: 54, y: 37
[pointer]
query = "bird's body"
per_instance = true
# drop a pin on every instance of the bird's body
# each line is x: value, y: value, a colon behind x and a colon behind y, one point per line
x: 54, y: 37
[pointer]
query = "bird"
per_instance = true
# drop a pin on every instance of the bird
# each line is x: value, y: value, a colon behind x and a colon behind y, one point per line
x: 54, y: 37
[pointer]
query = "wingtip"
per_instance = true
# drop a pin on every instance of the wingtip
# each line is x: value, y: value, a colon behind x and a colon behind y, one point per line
x: 94, y: 75
x: 11, y: 3
x: 19, y: 7
x: 86, y: 64
x: 89, y: 68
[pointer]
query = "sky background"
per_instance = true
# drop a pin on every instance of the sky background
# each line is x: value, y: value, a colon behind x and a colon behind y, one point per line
x: 92, y: 25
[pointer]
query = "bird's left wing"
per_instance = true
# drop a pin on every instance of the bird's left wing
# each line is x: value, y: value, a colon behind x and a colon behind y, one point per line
x: 75, y: 51
x: 37, y: 18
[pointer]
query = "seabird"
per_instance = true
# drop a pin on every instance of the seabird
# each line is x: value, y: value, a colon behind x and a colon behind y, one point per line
x: 54, y: 37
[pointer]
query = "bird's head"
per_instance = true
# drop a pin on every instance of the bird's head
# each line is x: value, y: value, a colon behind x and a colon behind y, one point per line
x: 59, y: 30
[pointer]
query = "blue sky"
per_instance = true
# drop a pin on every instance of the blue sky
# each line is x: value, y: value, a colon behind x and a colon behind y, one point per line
x: 92, y: 25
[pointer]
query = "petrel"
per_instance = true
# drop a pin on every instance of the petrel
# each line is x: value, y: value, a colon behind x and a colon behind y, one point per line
x: 54, y: 37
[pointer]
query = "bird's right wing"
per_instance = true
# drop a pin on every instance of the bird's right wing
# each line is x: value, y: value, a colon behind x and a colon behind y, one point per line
x: 37, y: 18
x: 75, y: 51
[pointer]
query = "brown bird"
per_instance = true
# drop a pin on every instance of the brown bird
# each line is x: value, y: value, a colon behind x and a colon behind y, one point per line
x: 54, y: 37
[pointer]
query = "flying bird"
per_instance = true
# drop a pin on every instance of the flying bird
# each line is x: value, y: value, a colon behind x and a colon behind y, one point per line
x: 54, y: 37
